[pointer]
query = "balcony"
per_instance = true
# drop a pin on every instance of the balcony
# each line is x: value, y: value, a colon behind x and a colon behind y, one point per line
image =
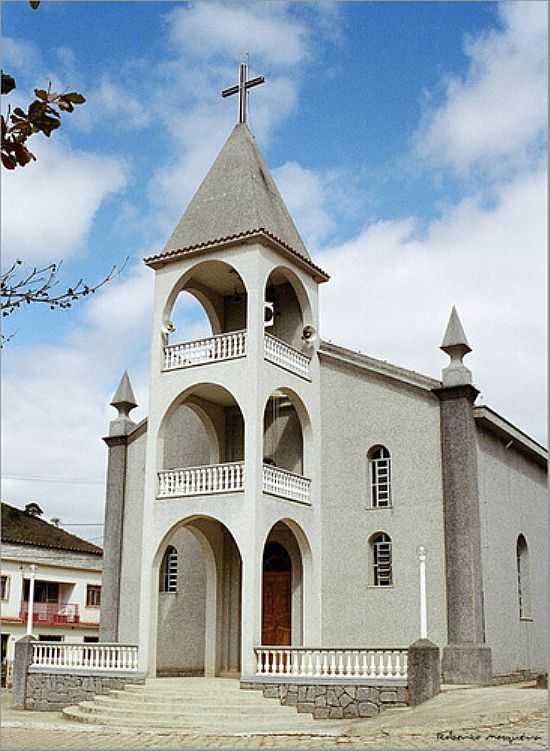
x: 202, y: 351
x: 285, y: 356
x: 51, y: 613
x: 207, y: 480
x: 285, y: 484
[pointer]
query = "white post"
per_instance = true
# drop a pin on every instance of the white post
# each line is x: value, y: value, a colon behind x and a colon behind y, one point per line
x: 423, y: 603
x: 32, y: 572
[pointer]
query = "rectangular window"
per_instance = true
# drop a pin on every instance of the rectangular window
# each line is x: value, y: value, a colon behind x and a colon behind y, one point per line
x: 91, y: 639
x: 93, y: 595
x: 382, y: 564
x: 381, y: 482
x: 48, y: 637
x: 4, y: 587
x: 43, y: 591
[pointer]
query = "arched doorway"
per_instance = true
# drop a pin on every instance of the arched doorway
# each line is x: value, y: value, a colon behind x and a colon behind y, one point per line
x: 276, y: 596
x: 198, y: 628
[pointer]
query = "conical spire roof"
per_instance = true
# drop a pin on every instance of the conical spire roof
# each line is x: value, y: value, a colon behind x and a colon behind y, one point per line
x: 124, y: 395
x: 237, y: 196
x: 454, y: 334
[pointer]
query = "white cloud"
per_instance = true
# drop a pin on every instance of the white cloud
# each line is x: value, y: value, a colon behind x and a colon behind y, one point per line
x: 264, y: 30
x: 499, y: 107
x: 110, y: 101
x: 63, y: 391
x: 393, y: 288
x: 307, y: 195
x: 18, y: 54
x: 49, y: 206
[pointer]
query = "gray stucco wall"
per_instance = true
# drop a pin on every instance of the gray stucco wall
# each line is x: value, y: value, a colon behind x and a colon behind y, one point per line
x: 186, y: 442
x: 181, y: 616
x: 359, y: 410
x: 132, y: 539
x: 514, y: 500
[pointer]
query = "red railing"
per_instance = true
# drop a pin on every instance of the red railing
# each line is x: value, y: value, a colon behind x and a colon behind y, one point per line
x: 51, y: 613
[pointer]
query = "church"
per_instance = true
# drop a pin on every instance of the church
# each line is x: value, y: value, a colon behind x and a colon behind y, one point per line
x: 280, y: 493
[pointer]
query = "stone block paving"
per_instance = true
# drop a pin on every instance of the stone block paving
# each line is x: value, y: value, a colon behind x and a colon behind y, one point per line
x: 529, y: 733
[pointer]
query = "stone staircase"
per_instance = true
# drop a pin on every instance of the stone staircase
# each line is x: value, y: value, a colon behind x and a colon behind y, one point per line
x: 208, y: 706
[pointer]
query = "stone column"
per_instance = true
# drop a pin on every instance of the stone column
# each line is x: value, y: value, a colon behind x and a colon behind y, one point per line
x: 466, y: 658
x: 424, y: 671
x: 21, y: 661
x: 117, y: 441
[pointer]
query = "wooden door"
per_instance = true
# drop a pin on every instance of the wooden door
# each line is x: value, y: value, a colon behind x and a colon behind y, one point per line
x: 276, y: 610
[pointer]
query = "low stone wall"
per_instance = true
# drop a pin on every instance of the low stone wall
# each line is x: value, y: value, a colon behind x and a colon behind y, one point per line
x: 334, y: 702
x: 49, y: 691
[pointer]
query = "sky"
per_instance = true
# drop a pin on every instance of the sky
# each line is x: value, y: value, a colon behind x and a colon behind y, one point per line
x: 409, y: 141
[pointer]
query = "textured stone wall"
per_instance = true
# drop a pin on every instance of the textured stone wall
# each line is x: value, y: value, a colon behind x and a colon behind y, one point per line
x: 53, y: 691
x: 335, y: 702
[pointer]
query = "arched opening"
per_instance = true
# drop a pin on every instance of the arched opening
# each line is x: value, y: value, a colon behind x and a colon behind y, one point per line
x: 282, y: 587
x: 381, y: 565
x: 198, y: 626
x: 379, y: 463
x: 210, y: 299
x: 203, y: 427
x: 283, y: 438
x: 288, y: 309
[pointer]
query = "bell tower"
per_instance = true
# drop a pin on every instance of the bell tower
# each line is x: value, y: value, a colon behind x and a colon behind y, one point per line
x: 253, y: 387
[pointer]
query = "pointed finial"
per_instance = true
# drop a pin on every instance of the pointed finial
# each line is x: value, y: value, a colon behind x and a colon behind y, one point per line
x: 124, y: 401
x: 456, y: 346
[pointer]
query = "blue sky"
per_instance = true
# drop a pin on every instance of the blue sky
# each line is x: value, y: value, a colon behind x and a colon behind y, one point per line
x: 408, y: 139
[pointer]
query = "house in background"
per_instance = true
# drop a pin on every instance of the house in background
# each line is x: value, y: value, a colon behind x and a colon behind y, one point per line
x: 67, y: 582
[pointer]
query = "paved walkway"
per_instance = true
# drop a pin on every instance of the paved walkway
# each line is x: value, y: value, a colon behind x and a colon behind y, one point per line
x: 461, y: 718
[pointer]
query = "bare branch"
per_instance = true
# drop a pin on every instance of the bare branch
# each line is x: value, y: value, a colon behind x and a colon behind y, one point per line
x: 18, y: 288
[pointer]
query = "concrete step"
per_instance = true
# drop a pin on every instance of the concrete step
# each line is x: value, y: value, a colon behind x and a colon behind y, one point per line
x: 295, y: 724
x: 209, y: 706
x: 183, y: 712
x: 243, y: 697
x: 173, y: 704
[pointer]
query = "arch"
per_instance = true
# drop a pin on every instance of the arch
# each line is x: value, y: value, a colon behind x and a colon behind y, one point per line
x: 219, y: 415
x: 219, y: 288
x: 216, y: 629
x: 168, y: 580
x: 301, y: 452
x: 523, y: 577
x: 379, y: 476
x: 292, y: 305
x: 290, y: 536
x: 381, y: 560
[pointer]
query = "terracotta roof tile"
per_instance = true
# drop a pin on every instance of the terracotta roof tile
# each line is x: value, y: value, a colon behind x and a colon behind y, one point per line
x: 23, y: 529
x: 258, y: 233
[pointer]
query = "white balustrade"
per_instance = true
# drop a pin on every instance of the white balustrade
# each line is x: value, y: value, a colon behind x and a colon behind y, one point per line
x: 286, y: 484
x: 212, y: 478
x: 201, y: 351
x: 285, y: 356
x: 302, y: 662
x: 101, y: 657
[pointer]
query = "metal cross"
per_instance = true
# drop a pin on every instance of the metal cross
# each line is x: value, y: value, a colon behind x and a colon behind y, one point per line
x: 241, y: 88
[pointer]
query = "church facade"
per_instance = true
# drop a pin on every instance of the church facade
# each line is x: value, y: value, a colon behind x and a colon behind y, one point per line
x: 281, y: 487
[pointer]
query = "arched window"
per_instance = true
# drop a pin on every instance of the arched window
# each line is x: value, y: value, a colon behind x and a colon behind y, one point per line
x: 169, y: 570
x: 522, y: 562
x: 381, y: 560
x: 380, y: 476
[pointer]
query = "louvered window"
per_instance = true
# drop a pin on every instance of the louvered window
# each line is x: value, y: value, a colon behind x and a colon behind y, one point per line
x: 169, y: 571
x: 380, y: 477
x: 381, y: 560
